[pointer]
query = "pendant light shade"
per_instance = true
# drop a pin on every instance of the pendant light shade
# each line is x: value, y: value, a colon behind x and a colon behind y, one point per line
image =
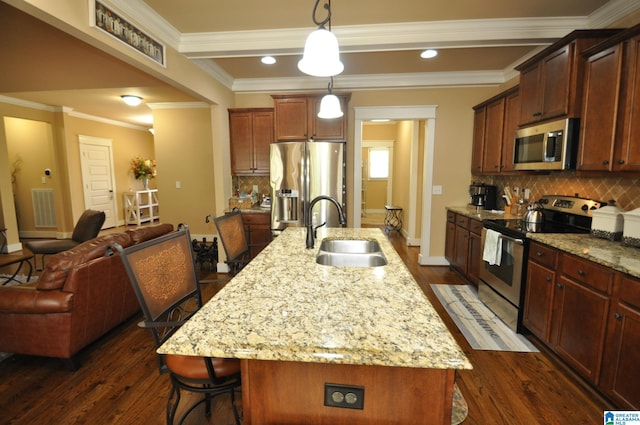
x: 330, y: 107
x: 321, y: 56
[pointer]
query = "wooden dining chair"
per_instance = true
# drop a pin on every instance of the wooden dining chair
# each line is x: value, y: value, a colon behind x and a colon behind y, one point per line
x: 163, y: 275
x: 234, y: 240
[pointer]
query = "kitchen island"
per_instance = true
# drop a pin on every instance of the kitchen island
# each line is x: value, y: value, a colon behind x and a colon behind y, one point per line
x: 298, y: 325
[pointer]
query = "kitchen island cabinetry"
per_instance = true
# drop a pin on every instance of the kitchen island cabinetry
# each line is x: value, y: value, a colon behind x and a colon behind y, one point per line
x: 463, y: 246
x: 258, y: 229
x: 551, y: 81
x: 620, y: 372
x: 495, y: 124
x: 296, y: 118
x: 251, y: 133
x: 610, y: 127
x: 298, y: 326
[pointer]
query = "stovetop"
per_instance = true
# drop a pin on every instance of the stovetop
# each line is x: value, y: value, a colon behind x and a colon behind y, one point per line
x: 561, y: 214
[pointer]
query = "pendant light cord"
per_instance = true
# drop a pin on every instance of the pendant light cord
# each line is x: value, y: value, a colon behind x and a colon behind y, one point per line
x: 327, y: 6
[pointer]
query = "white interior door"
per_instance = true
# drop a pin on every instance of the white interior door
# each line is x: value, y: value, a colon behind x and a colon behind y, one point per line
x: 97, y: 177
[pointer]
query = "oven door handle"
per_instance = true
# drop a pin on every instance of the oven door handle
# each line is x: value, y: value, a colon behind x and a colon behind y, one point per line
x: 514, y: 240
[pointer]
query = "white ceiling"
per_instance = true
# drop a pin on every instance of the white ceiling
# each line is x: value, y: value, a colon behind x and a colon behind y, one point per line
x: 479, y: 44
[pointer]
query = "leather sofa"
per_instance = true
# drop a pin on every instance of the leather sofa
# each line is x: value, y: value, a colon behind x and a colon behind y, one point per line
x: 80, y: 295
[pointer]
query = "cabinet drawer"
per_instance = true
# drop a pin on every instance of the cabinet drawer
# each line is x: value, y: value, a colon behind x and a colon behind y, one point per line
x: 462, y: 221
x: 587, y: 272
x: 475, y: 226
x: 630, y: 291
x: 544, y: 255
x: 451, y: 216
x: 256, y: 218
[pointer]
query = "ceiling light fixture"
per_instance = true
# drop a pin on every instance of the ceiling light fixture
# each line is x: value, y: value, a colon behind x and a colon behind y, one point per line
x: 268, y: 60
x: 330, y: 105
x: 428, y: 54
x: 321, y: 56
x: 131, y: 100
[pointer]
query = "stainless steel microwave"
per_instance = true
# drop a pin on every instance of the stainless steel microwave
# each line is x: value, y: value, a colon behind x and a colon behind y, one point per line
x: 548, y: 146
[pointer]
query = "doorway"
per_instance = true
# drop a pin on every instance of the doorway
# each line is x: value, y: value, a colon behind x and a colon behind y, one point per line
x: 98, y: 182
x: 427, y: 115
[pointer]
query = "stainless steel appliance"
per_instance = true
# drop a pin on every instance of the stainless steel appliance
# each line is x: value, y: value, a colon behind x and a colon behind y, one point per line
x: 549, y: 146
x: 482, y: 196
x: 502, y: 284
x: 301, y: 171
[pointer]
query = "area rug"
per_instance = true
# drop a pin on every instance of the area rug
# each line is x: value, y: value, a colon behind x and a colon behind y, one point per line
x: 479, y: 325
x: 460, y: 408
x: 17, y: 280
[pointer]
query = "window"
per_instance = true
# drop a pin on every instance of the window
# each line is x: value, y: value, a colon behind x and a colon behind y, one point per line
x: 379, y: 163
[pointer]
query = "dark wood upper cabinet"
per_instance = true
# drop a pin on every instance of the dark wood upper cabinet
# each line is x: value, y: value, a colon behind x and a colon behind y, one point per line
x: 610, y: 127
x: 251, y: 133
x: 551, y: 81
x: 296, y: 118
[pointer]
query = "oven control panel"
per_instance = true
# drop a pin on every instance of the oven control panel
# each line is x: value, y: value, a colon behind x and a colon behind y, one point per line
x: 570, y: 204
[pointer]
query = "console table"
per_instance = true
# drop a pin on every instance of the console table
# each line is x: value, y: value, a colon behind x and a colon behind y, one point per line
x: 141, y: 206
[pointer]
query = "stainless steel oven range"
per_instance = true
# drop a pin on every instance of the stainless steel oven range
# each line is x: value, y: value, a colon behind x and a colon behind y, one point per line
x: 503, y: 271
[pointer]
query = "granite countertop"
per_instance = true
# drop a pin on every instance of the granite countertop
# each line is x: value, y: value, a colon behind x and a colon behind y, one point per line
x: 619, y: 257
x: 284, y: 306
x: 625, y: 259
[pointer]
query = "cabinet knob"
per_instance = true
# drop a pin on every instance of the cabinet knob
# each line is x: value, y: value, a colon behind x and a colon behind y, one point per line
x: 617, y: 315
x: 581, y: 272
x: 558, y: 285
x: 605, y: 162
x: 621, y: 161
x: 539, y: 253
x: 548, y: 279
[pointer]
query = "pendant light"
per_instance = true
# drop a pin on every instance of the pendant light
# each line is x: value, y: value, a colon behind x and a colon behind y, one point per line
x: 321, y: 56
x: 330, y: 105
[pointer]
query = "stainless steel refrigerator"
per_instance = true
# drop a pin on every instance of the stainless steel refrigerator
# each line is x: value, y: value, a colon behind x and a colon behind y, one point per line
x: 300, y: 171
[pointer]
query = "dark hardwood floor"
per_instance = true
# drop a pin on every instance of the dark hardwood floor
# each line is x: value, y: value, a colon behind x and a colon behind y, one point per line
x: 118, y: 381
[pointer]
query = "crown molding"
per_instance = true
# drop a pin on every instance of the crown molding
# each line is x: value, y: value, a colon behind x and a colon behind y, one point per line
x: 215, y: 71
x: 372, y: 82
x: 148, y: 19
x: 177, y: 105
x: 72, y: 113
x: 363, y: 38
x: 27, y: 104
x: 612, y: 12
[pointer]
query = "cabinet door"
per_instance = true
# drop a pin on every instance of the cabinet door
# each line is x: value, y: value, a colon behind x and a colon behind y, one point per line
x: 461, y: 249
x: 581, y: 321
x: 291, y: 116
x: 530, y: 103
x: 241, y: 131
x: 511, y: 119
x: 538, y: 300
x: 493, y: 133
x: 478, y: 139
x: 474, y: 260
x: 262, y: 139
x: 620, y: 372
x: 600, y: 110
x: 258, y: 229
x: 627, y: 157
x: 450, y: 242
x: 556, y: 87
x: 327, y: 129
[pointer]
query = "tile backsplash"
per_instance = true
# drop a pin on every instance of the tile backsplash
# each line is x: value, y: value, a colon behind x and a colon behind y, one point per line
x: 624, y: 191
x: 245, y: 184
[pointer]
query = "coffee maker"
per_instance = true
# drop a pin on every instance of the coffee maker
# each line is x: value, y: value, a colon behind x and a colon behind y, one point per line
x: 482, y: 196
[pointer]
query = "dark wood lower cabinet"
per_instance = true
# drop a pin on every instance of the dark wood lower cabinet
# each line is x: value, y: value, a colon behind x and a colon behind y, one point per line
x: 589, y: 315
x: 620, y: 379
x: 258, y: 229
x: 463, y: 245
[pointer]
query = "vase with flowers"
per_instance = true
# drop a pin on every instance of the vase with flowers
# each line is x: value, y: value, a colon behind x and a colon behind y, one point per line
x: 143, y: 169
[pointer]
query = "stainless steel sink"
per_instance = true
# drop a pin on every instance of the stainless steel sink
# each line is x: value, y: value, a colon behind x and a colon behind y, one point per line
x: 351, y: 253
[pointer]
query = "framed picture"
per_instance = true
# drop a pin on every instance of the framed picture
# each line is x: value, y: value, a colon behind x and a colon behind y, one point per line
x: 106, y: 19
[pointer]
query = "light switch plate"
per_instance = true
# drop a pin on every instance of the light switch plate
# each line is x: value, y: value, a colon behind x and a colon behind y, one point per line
x: 436, y: 190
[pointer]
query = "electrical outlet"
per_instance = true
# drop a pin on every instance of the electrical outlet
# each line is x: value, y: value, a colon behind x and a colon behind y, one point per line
x: 345, y: 396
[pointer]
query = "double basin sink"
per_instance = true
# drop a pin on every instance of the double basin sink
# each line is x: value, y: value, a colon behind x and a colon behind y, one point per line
x: 350, y: 253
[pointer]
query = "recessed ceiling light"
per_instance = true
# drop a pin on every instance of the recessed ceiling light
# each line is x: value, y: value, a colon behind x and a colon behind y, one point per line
x: 268, y: 60
x: 429, y: 53
x: 131, y: 100
x: 381, y: 120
